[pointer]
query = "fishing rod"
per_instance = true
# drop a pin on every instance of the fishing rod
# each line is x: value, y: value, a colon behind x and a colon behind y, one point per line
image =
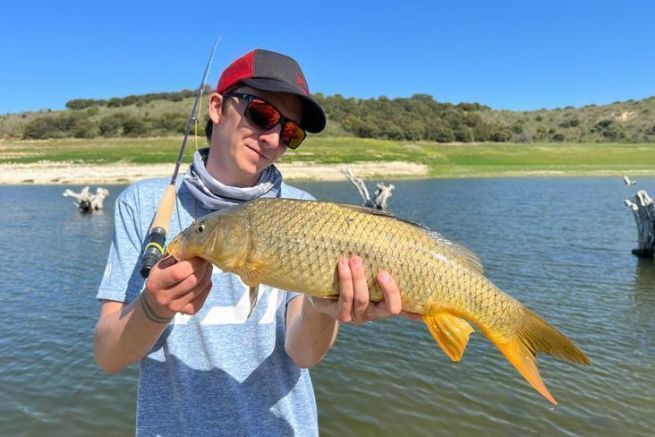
x: 154, y: 246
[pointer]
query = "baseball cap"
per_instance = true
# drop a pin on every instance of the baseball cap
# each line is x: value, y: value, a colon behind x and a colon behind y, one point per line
x: 271, y: 71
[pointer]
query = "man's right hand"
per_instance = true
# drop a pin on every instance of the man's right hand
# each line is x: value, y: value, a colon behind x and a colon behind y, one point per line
x: 126, y: 332
x: 178, y: 287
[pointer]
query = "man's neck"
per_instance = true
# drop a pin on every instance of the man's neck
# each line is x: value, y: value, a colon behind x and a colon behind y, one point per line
x: 228, y: 175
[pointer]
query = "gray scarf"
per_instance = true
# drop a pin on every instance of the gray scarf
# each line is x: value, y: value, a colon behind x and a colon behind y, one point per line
x: 214, y: 195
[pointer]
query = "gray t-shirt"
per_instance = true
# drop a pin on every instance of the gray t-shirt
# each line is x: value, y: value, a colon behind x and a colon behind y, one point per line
x: 214, y: 373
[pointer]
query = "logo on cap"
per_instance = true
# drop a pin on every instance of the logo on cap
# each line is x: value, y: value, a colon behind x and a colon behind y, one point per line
x: 301, y: 82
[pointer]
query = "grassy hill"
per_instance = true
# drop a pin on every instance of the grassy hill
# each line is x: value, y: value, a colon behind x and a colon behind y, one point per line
x: 417, y: 118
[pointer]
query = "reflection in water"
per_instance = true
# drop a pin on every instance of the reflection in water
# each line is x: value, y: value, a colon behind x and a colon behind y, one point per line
x: 645, y: 277
x: 644, y: 291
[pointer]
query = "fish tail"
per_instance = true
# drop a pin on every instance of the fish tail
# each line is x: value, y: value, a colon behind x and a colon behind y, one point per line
x: 536, y: 335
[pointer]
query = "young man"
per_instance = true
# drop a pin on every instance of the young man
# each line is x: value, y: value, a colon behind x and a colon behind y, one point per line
x: 205, y: 367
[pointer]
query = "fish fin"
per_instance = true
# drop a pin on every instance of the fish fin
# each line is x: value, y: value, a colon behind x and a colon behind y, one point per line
x: 463, y: 254
x: 252, y: 273
x: 450, y: 332
x: 253, y: 295
x: 536, y: 335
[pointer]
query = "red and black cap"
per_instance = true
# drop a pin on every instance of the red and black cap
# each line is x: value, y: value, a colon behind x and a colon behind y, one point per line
x: 270, y: 71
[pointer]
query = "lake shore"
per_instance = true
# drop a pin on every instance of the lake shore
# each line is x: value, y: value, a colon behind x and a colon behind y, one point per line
x: 68, y: 173
x: 124, y: 160
x: 53, y: 173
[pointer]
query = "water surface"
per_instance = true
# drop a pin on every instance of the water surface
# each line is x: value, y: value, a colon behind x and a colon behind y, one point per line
x: 561, y: 246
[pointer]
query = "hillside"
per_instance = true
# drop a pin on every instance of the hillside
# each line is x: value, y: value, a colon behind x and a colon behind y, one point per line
x: 416, y: 118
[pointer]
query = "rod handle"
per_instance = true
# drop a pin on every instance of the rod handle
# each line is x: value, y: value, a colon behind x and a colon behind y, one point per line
x: 153, y: 251
x: 156, y: 241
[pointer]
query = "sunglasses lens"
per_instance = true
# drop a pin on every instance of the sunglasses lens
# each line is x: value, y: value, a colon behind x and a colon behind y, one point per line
x: 262, y: 114
x: 292, y: 135
x: 265, y: 116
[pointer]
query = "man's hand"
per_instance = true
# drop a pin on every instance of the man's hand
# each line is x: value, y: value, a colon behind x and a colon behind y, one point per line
x: 178, y: 287
x: 353, y: 304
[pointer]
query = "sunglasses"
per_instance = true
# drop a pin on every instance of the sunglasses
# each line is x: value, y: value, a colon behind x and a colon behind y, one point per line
x: 266, y: 116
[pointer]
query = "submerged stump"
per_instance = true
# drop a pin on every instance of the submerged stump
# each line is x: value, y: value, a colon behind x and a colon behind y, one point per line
x: 87, y: 202
x: 643, y: 211
x: 381, y: 195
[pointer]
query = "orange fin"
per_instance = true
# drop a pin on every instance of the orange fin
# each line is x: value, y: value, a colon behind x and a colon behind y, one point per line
x: 450, y: 332
x: 253, y: 273
x: 536, y: 335
x: 526, y: 363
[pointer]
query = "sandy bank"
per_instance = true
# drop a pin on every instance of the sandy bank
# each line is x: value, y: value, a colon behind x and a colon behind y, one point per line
x: 73, y: 174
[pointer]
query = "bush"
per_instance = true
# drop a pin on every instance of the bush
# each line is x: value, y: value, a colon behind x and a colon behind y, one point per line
x: 134, y: 127
x: 392, y: 132
x: 75, y: 124
x: 80, y: 103
x: 559, y: 137
x: 41, y: 128
x: 463, y: 134
x: 84, y: 128
x: 609, y: 130
x: 112, y: 125
x: 172, y: 122
x: 440, y: 132
x: 501, y: 134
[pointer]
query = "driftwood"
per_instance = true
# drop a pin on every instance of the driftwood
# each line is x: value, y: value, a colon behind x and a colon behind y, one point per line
x: 643, y: 210
x: 381, y: 195
x: 628, y: 181
x: 87, y: 202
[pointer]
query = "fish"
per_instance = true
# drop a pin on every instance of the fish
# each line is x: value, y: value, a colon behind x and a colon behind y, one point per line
x: 294, y: 245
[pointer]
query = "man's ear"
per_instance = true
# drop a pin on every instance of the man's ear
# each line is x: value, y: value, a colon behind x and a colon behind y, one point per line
x: 215, y: 107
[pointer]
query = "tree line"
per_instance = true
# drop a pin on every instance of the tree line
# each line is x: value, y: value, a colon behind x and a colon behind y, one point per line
x: 415, y: 118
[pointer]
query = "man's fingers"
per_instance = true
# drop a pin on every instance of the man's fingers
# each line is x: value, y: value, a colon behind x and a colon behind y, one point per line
x: 167, y: 285
x: 391, y: 305
x: 346, y: 293
x: 197, y: 301
x: 189, y: 296
x: 392, y: 301
x: 196, y: 273
x: 360, y: 289
x: 172, y: 274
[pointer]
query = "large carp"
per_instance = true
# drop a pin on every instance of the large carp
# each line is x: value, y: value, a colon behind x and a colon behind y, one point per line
x: 295, y: 244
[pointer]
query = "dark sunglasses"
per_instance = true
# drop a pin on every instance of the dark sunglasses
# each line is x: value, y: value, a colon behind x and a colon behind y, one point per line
x: 266, y: 116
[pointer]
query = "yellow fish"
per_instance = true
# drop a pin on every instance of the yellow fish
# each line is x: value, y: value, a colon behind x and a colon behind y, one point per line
x: 295, y: 244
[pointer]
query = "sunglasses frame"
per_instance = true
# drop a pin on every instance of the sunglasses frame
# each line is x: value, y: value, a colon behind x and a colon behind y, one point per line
x: 282, y: 121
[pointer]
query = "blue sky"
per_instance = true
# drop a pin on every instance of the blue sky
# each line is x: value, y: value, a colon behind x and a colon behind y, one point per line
x: 516, y: 55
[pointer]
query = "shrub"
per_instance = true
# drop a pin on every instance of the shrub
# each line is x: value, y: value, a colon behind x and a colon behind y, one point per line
x: 58, y: 126
x: 463, y: 134
x: 134, y: 127
x: 559, y: 137
x: 84, y: 128
x: 172, y: 122
x: 41, y: 128
x: 80, y: 103
x: 501, y: 134
x: 112, y: 125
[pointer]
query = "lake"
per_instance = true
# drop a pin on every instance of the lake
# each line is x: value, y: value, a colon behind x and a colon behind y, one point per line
x: 560, y: 245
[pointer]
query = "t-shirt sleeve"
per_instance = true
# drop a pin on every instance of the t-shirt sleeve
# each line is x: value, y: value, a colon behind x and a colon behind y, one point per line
x: 122, y: 281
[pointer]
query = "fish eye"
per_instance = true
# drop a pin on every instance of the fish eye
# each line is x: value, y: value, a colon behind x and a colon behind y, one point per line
x: 200, y: 228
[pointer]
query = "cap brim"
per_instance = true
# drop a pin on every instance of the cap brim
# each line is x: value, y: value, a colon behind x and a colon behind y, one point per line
x: 313, y: 119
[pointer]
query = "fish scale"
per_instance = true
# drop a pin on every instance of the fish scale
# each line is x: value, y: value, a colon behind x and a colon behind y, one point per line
x: 295, y: 244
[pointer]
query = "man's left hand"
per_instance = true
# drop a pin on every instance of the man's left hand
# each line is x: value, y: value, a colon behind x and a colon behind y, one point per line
x: 353, y: 304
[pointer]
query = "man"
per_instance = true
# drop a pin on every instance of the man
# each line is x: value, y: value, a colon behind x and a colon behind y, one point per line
x: 206, y: 368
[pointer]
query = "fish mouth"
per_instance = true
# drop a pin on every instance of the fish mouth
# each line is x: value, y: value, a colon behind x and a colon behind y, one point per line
x: 172, y: 250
